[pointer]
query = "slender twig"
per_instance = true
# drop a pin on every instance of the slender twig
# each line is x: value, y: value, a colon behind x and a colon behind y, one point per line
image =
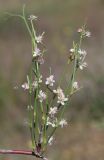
x: 22, y: 152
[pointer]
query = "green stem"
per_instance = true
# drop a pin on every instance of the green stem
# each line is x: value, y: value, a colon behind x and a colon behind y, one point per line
x: 69, y: 89
x: 28, y: 28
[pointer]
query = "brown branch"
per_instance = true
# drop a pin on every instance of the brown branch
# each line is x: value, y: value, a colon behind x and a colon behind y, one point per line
x: 22, y: 152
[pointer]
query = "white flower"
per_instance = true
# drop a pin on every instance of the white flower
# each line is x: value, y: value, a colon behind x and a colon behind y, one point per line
x: 52, y: 122
x: 41, y: 96
x: 35, y: 84
x: 75, y: 85
x: 58, y: 91
x: 80, y: 30
x: 72, y: 50
x: 82, y: 52
x: 84, y: 32
x: 25, y: 86
x: 63, y: 123
x: 36, y: 52
x: 50, y: 80
x: 84, y: 64
x: 62, y: 100
x: 88, y: 34
x: 39, y: 38
x: 61, y: 97
x: 53, y: 111
x: 50, y: 140
x: 32, y: 17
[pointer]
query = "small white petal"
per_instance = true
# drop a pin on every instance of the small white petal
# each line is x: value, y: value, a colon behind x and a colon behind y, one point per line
x: 32, y: 17
x: 25, y: 86
x: 88, y: 34
x: 82, y: 52
x: 72, y: 50
x: 80, y: 30
x: 63, y: 123
x: 39, y: 38
x: 75, y: 85
x: 83, y: 65
x: 50, y: 140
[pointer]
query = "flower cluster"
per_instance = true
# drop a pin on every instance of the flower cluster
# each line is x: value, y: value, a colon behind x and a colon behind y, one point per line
x: 34, y: 85
x: 82, y: 55
x: 61, y: 97
x: 53, y: 122
x: 53, y: 111
x: 50, y: 80
x: 42, y: 96
x: 78, y: 54
x: 84, y: 32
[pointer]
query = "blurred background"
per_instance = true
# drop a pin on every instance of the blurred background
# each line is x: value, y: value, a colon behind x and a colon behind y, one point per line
x: 83, y: 138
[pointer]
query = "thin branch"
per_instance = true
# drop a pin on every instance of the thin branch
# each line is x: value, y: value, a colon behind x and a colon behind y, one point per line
x: 22, y: 152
